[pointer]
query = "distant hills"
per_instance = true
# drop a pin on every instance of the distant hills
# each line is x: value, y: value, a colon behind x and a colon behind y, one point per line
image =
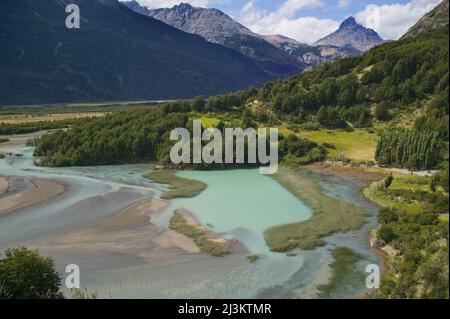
x: 353, y: 35
x: 117, y: 54
x: 278, y: 55
x: 435, y: 19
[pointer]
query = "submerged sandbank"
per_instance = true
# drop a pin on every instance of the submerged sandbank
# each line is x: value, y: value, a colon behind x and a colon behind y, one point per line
x: 37, y: 191
x: 3, y: 185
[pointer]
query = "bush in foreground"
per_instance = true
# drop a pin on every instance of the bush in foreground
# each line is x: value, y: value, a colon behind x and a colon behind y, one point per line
x: 24, y: 274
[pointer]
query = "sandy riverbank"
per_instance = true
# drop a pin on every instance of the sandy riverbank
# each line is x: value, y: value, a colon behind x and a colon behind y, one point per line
x: 31, y: 192
x: 362, y: 175
x: 129, y: 232
x: 230, y: 245
x: 17, y: 141
x: 3, y: 185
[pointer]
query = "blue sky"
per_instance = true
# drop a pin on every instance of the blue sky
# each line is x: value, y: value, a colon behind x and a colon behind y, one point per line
x: 309, y: 20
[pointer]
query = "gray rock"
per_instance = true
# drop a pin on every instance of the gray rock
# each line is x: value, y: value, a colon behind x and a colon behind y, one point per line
x: 352, y: 35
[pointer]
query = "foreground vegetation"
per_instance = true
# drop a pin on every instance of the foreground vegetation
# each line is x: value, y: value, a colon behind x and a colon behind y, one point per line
x: 414, y: 221
x: 24, y: 274
x: 178, y: 187
x: 421, y: 269
x: 329, y: 214
x: 198, y: 234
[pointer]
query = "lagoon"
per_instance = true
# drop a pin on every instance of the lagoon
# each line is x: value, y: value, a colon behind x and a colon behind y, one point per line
x: 242, y: 204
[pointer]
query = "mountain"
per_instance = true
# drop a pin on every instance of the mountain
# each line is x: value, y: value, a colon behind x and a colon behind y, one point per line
x: 217, y: 27
x: 135, y: 6
x: 278, y: 55
x: 435, y: 19
x: 117, y: 54
x: 308, y: 54
x: 353, y: 35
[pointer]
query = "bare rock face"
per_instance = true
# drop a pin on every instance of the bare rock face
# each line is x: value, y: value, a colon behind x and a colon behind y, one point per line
x: 217, y: 27
x: 278, y: 55
x: 353, y: 35
x: 136, y: 7
x: 435, y: 19
x: 212, y: 24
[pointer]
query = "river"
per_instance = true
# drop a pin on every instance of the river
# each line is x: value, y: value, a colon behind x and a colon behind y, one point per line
x: 238, y: 204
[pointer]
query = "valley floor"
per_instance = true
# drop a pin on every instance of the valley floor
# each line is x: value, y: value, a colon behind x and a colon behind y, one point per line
x: 110, y: 221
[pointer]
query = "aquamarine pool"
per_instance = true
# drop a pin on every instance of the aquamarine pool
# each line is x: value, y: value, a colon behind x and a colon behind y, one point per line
x: 242, y: 204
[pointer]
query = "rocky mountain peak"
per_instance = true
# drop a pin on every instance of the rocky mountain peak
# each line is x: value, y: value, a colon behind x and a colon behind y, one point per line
x: 353, y: 35
x: 348, y: 23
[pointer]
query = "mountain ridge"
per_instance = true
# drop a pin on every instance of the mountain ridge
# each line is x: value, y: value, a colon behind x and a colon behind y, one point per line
x: 435, y: 19
x: 351, y: 34
x: 217, y: 27
x: 280, y: 56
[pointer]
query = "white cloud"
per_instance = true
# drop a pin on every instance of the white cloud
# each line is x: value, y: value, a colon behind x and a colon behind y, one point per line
x: 282, y: 21
x: 391, y: 21
x: 344, y: 3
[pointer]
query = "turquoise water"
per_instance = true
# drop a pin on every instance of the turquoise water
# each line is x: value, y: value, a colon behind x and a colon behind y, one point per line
x: 242, y: 204
x: 239, y: 204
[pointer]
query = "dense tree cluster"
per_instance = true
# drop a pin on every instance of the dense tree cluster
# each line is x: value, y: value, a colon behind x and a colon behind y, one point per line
x: 301, y: 151
x: 140, y: 136
x: 229, y: 101
x: 24, y: 128
x: 125, y: 137
x: 421, y: 271
x: 413, y: 149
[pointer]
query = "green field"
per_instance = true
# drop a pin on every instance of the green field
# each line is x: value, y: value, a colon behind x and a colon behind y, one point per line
x: 378, y: 194
x: 207, y: 121
x: 358, y: 145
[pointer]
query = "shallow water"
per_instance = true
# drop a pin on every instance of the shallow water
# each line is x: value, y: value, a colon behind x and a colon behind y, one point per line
x: 243, y: 204
x: 240, y: 204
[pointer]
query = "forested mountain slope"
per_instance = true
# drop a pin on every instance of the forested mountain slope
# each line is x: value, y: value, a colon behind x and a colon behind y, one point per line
x: 117, y: 54
x: 408, y: 75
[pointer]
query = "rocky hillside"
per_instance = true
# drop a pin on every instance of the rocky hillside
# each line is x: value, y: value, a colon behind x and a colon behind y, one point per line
x: 279, y: 56
x: 435, y: 19
x: 217, y: 27
x: 353, y: 35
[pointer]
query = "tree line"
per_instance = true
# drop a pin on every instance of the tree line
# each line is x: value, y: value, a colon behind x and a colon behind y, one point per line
x: 409, y: 148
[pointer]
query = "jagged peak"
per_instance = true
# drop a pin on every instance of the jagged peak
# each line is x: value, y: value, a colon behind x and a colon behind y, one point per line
x: 349, y: 22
